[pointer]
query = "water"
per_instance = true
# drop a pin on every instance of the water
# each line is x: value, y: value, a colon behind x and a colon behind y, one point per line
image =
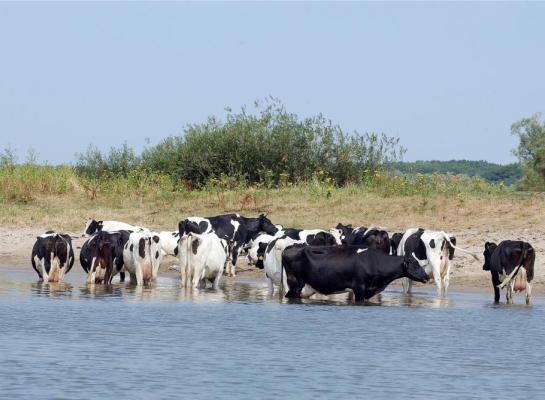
x: 71, y: 342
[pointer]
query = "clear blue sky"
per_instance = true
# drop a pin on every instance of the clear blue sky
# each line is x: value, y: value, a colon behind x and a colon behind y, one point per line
x: 448, y: 79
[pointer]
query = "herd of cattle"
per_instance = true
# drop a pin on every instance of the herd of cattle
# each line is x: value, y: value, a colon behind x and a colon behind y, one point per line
x: 300, y: 261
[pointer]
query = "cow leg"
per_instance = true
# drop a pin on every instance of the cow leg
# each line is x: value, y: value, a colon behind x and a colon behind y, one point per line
x: 359, y: 292
x: 528, y: 292
x: 216, y: 283
x: 234, y: 260
x: 122, y: 276
x: 495, y: 283
x: 270, y: 285
x: 45, y: 275
x: 133, y: 278
x: 445, y: 285
x: 139, y: 277
x: 509, y: 294
x: 284, y: 284
x: 407, y: 285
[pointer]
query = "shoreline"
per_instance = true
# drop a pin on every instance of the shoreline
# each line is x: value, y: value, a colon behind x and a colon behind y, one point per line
x: 467, y: 275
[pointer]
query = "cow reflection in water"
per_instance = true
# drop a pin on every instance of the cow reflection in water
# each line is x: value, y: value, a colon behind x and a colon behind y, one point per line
x: 52, y: 289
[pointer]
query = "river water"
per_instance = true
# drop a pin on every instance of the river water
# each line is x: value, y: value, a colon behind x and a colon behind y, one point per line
x: 68, y: 341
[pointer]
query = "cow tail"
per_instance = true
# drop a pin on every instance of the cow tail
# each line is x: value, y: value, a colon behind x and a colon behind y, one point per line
x: 281, y: 286
x: 524, y: 252
x: 447, y: 238
x: 188, y: 242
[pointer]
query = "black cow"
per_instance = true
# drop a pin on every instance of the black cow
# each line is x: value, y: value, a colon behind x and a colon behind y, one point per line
x: 52, y: 256
x: 235, y: 229
x: 394, y: 242
x: 334, y: 269
x: 106, y: 249
x: 511, y: 264
x: 372, y: 238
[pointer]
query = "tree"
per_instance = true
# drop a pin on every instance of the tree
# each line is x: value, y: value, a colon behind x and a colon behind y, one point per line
x: 531, y: 151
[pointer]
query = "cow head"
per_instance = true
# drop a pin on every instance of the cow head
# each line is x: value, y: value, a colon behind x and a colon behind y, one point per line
x: 92, y: 226
x: 344, y: 231
x: 101, y: 254
x: 489, y: 248
x: 265, y: 225
x: 412, y: 269
x: 262, y: 247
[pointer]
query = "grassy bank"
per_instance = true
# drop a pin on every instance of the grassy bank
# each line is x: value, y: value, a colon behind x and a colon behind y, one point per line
x: 56, y: 197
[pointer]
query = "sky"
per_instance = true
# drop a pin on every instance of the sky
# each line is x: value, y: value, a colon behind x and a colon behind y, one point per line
x: 448, y: 79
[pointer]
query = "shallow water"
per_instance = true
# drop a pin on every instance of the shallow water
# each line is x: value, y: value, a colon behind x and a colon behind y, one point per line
x: 74, y: 342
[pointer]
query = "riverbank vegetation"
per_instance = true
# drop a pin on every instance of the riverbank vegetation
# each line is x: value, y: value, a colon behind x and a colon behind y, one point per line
x: 266, y: 159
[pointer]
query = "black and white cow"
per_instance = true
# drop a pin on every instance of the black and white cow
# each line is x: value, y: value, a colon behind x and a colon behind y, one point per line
x: 335, y: 269
x: 142, y: 256
x: 52, y: 256
x: 315, y: 237
x: 101, y: 256
x: 234, y: 228
x: 93, y: 226
x: 373, y: 238
x: 511, y: 264
x: 437, y: 249
x: 269, y: 255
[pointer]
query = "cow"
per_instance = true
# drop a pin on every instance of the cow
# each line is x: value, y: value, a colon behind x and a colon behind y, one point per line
x: 511, y: 264
x: 341, y: 232
x: 317, y: 237
x: 270, y: 259
x: 373, y: 238
x: 233, y: 228
x: 336, y: 269
x: 52, y: 256
x: 169, y: 242
x: 394, y: 242
x: 437, y: 249
x: 202, y: 258
x: 93, y: 226
x: 101, y: 256
x: 252, y: 250
x: 142, y: 256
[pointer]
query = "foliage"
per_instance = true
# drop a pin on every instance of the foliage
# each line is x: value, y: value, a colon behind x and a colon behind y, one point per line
x: 531, y: 151
x: 118, y: 162
x: 270, y: 145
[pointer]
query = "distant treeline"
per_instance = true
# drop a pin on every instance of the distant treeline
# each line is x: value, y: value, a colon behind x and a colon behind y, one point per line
x: 496, y: 173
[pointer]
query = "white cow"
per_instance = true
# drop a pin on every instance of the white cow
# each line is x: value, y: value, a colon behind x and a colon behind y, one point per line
x: 435, y: 250
x: 202, y: 257
x: 92, y: 226
x: 142, y: 256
